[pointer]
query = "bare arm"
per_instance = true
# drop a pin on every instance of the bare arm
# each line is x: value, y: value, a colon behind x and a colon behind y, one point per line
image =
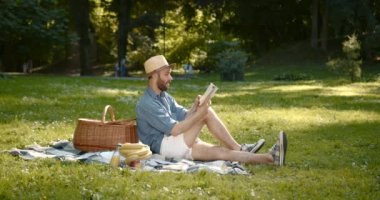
x: 195, y: 114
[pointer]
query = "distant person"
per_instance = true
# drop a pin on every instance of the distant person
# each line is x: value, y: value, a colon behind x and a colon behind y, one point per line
x: 120, y: 68
x: 27, y: 67
x: 116, y: 69
x: 30, y: 66
x: 173, y: 131
x: 188, y: 70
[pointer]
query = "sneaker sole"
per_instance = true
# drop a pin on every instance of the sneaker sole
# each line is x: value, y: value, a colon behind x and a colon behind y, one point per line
x: 283, y: 147
x: 258, y: 146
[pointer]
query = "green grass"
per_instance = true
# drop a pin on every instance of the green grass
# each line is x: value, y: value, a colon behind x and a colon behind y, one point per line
x: 333, y: 130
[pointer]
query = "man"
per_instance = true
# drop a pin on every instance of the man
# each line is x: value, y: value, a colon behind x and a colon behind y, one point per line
x: 172, y: 131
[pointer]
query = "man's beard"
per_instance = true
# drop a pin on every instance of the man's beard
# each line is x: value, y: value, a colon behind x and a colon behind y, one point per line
x: 161, y: 84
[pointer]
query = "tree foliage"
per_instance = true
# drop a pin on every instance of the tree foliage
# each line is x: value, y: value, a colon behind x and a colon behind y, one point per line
x: 351, y: 62
x: 31, y: 29
x: 192, y: 34
x: 104, y: 20
x: 135, y: 33
x: 266, y: 24
x: 186, y: 31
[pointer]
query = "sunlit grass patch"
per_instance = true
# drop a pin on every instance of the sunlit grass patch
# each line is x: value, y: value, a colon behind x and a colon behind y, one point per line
x: 357, y: 89
x: 295, y: 88
x: 113, y: 92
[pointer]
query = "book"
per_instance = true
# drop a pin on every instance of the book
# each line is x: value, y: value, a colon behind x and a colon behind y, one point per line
x: 209, y: 93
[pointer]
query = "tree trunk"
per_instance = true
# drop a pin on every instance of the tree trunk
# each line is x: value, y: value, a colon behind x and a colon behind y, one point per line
x: 124, y: 17
x: 314, y: 24
x: 324, y: 31
x: 81, y: 13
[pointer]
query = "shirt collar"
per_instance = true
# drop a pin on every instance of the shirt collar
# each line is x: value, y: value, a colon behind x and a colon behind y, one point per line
x: 153, y: 94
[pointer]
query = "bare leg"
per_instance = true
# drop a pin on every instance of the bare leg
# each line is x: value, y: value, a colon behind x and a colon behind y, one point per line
x: 219, y: 130
x: 216, y: 127
x: 191, y: 136
x: 207, y: 152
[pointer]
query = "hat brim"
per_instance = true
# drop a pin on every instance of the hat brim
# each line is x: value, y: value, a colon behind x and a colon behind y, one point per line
x: 172, y: 65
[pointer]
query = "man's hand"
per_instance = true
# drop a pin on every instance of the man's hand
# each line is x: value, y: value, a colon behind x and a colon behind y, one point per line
x: 195, y: 105
x: 195, y: 114
x: 202, y: 110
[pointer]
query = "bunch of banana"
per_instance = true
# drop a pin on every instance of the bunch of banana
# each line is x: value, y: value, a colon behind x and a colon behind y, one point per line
x: 134, y: 151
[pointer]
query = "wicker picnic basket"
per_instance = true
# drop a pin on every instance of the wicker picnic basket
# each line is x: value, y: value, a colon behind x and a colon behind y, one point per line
x: 100, y: 135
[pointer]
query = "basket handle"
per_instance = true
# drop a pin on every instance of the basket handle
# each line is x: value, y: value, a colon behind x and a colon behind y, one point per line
x: 109, y: 109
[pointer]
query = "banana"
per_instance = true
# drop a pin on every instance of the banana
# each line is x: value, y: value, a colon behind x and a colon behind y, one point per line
x: 136, y: 157
x: 132, y: 146
x: 147, y: 155
x: 135, y: 151
x: 138, y: 152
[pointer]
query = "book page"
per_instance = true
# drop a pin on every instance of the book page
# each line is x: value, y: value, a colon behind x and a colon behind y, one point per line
x: 209, y: 93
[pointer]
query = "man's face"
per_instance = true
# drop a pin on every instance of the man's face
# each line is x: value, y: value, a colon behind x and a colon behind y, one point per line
x: 164, y: 78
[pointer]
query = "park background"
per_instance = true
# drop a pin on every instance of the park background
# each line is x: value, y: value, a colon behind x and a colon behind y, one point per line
x: 309, y: 67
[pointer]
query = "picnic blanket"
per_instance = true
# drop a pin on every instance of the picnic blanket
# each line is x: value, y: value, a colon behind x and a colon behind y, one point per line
x: 65, y: 151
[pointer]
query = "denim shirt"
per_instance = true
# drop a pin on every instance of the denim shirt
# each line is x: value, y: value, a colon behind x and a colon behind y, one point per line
x: 156, y: 115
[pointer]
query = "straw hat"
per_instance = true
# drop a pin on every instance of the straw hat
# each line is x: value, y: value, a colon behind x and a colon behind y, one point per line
x: 155, y: 63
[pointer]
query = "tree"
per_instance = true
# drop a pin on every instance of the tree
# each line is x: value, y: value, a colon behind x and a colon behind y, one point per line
x: 314, y: 23
x: 192, y: 34
x: 105, y: 24
x: 31, y: 29
x: 345, y: 17
x: 266, y: 24
x: 324, y: 29
x: 124, y: 21
x: 319, y: 30
x: 136, y: 23
x: 81, y: 12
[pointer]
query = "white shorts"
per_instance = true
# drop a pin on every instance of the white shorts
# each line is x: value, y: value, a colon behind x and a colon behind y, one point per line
x: 175, y: 147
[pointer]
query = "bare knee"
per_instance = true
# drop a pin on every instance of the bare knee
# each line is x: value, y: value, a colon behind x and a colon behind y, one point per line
x: 211, y: 114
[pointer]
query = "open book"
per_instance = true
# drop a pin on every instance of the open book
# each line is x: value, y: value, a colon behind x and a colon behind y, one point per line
x: 209, y: 93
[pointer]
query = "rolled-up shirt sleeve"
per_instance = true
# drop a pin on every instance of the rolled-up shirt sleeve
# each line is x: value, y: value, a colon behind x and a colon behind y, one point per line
x: 179, y: 110
x: 158, y: 118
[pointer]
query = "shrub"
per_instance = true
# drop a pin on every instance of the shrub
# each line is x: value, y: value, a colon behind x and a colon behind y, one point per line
x: 210, y: 62
x: 351, y: 62
x: 231, y: 64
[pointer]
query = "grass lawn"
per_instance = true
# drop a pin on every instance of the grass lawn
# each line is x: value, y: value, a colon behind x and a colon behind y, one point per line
x: 333, y: 131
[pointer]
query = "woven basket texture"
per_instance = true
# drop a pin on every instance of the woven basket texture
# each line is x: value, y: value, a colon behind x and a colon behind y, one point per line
x: 99, y: 135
